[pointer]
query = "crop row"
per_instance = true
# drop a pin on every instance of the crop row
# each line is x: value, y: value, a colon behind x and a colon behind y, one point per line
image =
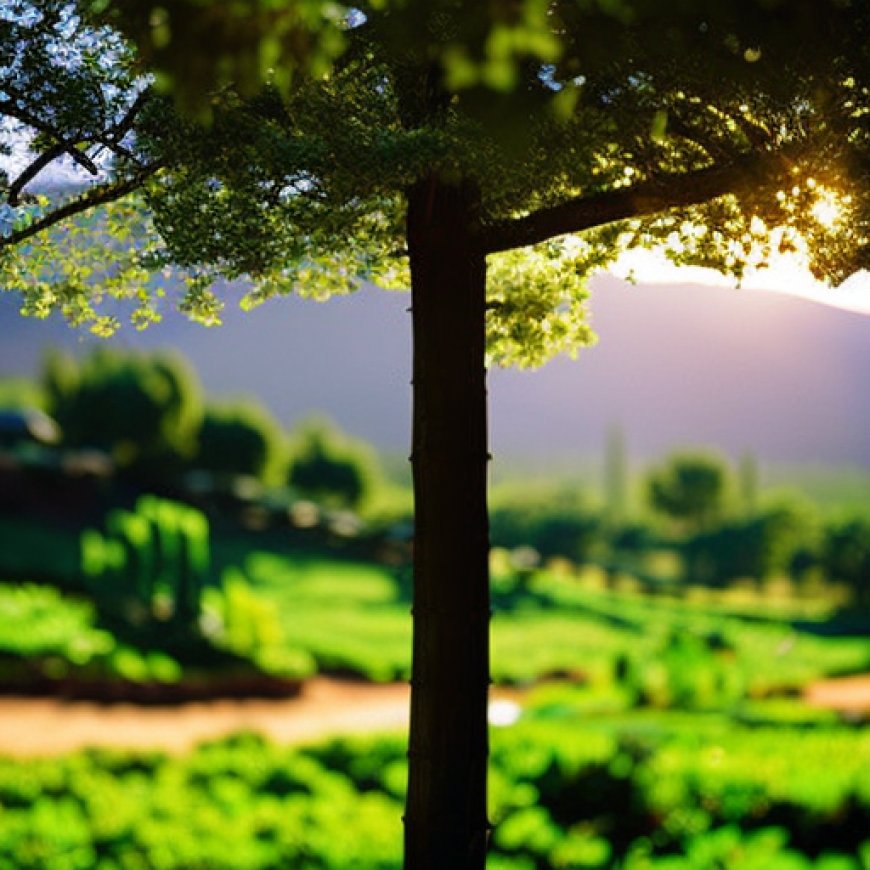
x: 660, y: 790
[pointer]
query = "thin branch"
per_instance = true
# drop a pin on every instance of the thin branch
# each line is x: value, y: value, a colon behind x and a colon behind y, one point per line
x: 30, y: 172
x: 14, y: 110
x: 119, y: 150
x: 63, y: 144
x: 715, y: 150
x: 94, y: 197
x: 117, y: 133
x: 667, y: 191
x: 757, y: 134
x: 110, y: 139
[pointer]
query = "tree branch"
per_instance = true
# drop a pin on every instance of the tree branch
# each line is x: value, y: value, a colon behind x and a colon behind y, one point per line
x: 110, y: 139
x: 667, y: 191
x: 96, y: 196
x: 63, y: 145
x: 715, y: 150
x: 123, y: 126
x: 13, y: 196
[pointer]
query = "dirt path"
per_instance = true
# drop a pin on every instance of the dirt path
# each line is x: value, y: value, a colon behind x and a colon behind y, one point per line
x: 327, y: 706
x: 49, y: 726
x: 846, y: 694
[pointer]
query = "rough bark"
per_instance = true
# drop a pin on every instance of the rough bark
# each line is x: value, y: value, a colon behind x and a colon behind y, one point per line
x: 445, y: 822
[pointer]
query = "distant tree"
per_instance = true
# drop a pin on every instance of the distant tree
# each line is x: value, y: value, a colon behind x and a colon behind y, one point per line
x: 615, y: 477
x: 328, y: 466
x: 845, y: 556
x: 689, y: 489
x: 748, y: 482
x: 761, y: 546
x: 787, y: 525
x: 555, y: 530
x: 144, y: 410
x: 240, y: 439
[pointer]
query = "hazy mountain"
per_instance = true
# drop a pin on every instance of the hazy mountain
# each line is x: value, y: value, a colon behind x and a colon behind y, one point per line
x: 742, y: 370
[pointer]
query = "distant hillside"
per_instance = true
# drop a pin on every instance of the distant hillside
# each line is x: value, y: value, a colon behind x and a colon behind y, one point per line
x: 780, y: 376
x: 743, y: 370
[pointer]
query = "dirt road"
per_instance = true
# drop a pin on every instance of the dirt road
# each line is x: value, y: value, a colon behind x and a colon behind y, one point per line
x: 327, y: 706
x: 846, y: 694
x: 50, y: 726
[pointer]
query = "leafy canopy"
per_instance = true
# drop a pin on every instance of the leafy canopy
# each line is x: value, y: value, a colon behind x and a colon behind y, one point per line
x: 724, y: 132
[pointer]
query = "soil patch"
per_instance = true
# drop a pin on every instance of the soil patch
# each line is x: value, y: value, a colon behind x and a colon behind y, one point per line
x: 325, y: 706
x: 850, y: 695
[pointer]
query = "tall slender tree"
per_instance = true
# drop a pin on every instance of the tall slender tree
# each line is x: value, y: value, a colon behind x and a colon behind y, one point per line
x: 492, y: 156
x: 615, y: 477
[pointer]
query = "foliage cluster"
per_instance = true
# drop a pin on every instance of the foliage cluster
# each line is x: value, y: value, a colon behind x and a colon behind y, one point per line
x: 154, y: 605
x: 304, y: 612
x: 143, y: 411
x: 705, y: 539
x: 147, y: 411
x: 329, y: 467
x: 352, y: 617
x: 656, y: 791
x: 683, y: 133
x: 151, y: 574
x: 152, y: 561
x: 554, y: 524
x: 48, y: 636
x: 690, y: 489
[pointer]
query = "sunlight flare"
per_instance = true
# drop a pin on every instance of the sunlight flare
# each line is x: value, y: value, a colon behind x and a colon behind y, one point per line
x: 829, y: 208
x: 787, y: 273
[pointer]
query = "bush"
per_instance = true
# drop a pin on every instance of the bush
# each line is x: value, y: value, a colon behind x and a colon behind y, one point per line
x: 159, y: 553
x: 845, y: 556
x: 143, y: 410
x: 760, y: 547
x: 328, y: 466
x: 240, y: 439
x: 555, y: 524
x: 689, y: 489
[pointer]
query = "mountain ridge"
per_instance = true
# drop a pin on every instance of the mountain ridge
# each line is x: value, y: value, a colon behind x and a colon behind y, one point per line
x: 781, y: 376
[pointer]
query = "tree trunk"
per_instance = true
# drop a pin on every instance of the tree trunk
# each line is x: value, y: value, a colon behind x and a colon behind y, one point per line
x: 446, y: 822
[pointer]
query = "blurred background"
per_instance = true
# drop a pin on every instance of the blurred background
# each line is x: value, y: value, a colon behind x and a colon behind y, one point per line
x: 205, y: 535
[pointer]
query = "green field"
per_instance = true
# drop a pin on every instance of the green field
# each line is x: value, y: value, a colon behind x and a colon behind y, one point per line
x: 657, y: 732
x: 331, y: 615
x: 570, y: 789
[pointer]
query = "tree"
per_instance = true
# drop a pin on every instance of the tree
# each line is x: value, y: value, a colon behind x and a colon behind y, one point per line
x: 845, y: 556
x: 689, y: 488
x: 760, y: 546
x: 240, y: 438
x: 615, y: 477
x: 447, y: 144
x: 327, y: 466
x: 144, y: 410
